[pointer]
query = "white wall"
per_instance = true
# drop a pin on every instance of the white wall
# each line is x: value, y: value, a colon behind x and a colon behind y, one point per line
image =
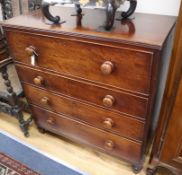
x: 165, y: 7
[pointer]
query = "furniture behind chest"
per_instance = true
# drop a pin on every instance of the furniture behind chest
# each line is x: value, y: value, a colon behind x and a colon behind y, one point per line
x: 10, y: 89
x: 167, y: 147
x: 92, y: 86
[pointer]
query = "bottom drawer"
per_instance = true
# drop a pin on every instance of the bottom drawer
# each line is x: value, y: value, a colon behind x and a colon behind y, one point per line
x: 118, y: 146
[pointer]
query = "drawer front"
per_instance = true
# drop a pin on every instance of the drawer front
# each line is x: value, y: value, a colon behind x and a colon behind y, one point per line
x: 97, y: 117
x: 106, y: 98
x: 126, y: 69
x: 88, y: 135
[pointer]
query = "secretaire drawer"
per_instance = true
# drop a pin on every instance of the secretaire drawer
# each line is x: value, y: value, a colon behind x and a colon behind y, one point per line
x: 77, y: 131
x: 110, y: 99
x: 97, y: 117
x: 120, y: 67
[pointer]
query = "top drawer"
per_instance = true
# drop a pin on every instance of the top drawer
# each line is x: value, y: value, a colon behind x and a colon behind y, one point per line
x: 126, y: 69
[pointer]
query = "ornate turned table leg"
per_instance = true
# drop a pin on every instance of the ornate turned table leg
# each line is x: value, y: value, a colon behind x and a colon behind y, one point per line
x: 14, y: 102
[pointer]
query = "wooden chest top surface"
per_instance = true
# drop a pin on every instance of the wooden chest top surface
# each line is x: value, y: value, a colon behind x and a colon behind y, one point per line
x: 144, y: 29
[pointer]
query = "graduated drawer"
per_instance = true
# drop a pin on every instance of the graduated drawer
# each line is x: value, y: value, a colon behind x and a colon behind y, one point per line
x: 82, y: 133
x: 110, y: 99
x: 129, y: 69
x: 97, y: 117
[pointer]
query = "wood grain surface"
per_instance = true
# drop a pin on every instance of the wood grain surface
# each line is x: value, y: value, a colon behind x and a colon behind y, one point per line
x: 73, y: 67
x: 147, y: 29
x: 167, y: 150
x: 123, y: 148
x: 132, y: 69
x: 133, y: 105
x: 86, y: 159
x: 121, y: 124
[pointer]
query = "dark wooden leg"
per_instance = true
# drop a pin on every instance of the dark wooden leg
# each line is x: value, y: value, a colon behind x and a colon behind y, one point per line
x: 157, y: 168
x: 41, y: 130
x: 151, y: 171
x: 24, y: 124
x: 137, y: 168
x: 13, y: 100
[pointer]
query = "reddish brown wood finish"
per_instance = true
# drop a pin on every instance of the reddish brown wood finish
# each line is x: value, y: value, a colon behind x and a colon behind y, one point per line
x: 167, y: 147
x: 60, y: 124
x: 121, y: 125
x: 84, y: 60
x: 103, y: 82
x: 145, y: 30
x: 91, y: 93
x: 173, y: 139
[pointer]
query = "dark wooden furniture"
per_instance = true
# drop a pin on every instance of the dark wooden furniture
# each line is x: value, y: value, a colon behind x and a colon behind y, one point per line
x: 92, y: 86
x: 8, y: 7
x: 10, y: 89
x: 3, y: 48
x: 167, y: 147
x: 9, y: 101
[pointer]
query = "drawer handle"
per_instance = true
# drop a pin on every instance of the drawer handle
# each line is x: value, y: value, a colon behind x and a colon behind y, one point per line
x: 32, y: 53
x: 45, y: 101
x: 109, y: 145
x: 38, y: 80
x: 108, y: 123
x: 108, y: 101
x: 107, y: 67
x: 50, y: 121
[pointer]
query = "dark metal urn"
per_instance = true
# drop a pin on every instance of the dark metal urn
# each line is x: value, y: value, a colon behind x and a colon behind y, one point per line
x: 110, y: 5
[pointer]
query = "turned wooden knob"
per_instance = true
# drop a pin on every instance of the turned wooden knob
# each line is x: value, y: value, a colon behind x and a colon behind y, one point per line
x: 109, y: 145
x: 45, y: 100
x: 31, y: 50
x: 38, y: 80
x: 108, y: 101
x: 107, y: 67
x: 108, y: 123
x: 50, y: 121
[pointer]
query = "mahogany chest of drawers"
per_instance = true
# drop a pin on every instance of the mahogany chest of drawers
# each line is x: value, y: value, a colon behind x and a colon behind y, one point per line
x: 92, y: 86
